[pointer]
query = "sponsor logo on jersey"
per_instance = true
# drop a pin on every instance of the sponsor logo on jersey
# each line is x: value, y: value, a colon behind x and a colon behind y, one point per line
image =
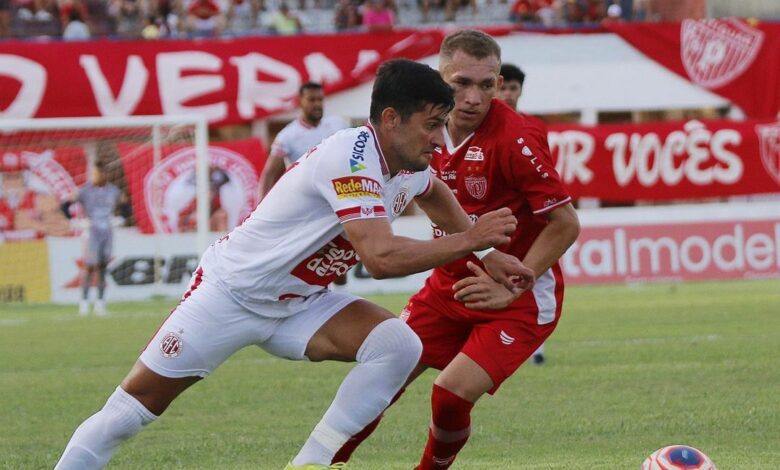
x: 769, y: 144
x: 527, y: 152
x: 550, y: 202
x: 171, y: 345
x: 359, y: 147
x: 715, y: 52
x: 474, y: 154
x: 356, y: 187
x: 367, y: 211
x: 328, y: 263
x: 505, y: 338
x: 355, y: 165
x: 476, y: 186
x: 400, y: 201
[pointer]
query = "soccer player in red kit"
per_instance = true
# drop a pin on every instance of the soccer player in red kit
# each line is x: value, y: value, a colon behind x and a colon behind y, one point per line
x: 473, y: 329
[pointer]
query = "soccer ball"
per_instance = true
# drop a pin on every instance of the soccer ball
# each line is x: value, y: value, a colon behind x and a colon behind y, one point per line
x: 678, y: 457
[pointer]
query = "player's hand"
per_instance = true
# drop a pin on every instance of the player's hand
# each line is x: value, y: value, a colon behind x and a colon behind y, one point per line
x: 492, y: 228
x: 481, y: 292
x: 509, y: 271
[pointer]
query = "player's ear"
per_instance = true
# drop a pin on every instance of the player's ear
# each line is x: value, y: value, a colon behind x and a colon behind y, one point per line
x: 390, y: 118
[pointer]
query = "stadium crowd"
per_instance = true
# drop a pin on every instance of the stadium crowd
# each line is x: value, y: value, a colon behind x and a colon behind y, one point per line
x: 153, y: 19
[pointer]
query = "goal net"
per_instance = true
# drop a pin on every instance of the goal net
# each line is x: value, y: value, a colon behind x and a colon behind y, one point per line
x: 160, y: 166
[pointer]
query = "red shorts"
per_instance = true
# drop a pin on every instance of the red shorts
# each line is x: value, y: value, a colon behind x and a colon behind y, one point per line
x: 499, y: 341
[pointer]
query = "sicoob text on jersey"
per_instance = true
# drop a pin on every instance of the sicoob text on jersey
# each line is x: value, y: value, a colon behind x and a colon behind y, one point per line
x: 358, y: 149
x: 328, y: 263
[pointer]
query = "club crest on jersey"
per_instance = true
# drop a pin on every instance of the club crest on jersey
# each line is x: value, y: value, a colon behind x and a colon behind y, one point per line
x: 715, y: 52
x: 355, y: 165
x: 356, y: 187
x: 474, y: 154
x: 400, y: 201
x: 171, y: 345
x: 476, y: 186
x: 769, y: 139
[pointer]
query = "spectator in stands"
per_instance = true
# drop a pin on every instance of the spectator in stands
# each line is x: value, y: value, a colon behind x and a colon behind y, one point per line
x: 614, y: 13
x: 99, y: 200
x: 129, y: 15
x: 5, y: 18
x: 204, y: 18
x: 346, y: 14
x: 168, y: 19
x: 67, y: 6
x: 35, y: 10
x: 572, y: 12
x: 76, y: 29
x: 151, y: 29
x: 377, y: 15
x: 285, y: 22
x: 595, y: 11
x: 242, y: 15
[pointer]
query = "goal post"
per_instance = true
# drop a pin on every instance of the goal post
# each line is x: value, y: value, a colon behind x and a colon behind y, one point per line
x: 160, y: 163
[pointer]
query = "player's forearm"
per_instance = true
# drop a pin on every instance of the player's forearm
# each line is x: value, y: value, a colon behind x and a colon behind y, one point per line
x: 552, y: 242
x: 401, y: 256
x: 443, y: 209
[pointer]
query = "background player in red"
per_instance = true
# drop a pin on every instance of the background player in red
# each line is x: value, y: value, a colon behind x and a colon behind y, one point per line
x: 492, y: 157
x: 510, y: 93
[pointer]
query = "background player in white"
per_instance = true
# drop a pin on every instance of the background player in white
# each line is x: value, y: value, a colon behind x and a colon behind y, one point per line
x: 510, y: 93
x: 265, y: 282
x: 98, y: 199
x: 297, y: 137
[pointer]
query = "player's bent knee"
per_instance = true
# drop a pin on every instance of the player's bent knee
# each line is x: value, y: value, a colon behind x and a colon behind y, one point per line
x: 394, y: 341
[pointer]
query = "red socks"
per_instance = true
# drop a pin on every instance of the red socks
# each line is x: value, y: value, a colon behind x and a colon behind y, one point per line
x: 449, y: 431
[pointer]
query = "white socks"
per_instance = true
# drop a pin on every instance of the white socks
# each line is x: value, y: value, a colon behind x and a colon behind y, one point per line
x: 95, y: 441
x: 385, y: 359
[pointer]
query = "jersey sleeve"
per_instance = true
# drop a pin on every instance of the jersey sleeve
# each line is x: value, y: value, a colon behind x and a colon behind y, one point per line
x: 424, y: 182
x: 531, y: 171
x: 279, y: 147
x: 351, y: 182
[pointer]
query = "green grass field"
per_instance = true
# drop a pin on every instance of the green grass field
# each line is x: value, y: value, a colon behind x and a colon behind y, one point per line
x: 630, y: 369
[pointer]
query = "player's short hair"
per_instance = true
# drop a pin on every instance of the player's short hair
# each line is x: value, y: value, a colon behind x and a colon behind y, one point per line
x: 309, y: 86
x: 408, y: 87
x: 474, y: 43
x: 512, y: 73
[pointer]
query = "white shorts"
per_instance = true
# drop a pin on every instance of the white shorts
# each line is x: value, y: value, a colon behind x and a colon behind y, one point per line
x: 209, y: 326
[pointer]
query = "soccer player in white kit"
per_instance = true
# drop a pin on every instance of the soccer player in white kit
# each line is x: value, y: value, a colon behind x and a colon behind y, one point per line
x: 265, y: 283
x: 297, y: 137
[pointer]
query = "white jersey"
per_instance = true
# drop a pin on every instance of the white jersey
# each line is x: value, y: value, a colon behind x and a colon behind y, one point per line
x: 298, y: 137
x: 293, y: 244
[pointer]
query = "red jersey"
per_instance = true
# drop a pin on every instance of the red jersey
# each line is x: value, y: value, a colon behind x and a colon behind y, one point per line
x: 505, y: 163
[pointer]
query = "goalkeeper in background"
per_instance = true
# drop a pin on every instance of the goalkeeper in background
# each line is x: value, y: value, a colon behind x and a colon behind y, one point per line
x: 98, y: 199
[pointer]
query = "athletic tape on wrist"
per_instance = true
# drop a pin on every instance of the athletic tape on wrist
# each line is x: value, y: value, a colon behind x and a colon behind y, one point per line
x: 483, y: 253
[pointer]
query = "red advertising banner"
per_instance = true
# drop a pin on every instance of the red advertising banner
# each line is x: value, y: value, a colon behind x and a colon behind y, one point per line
x: 663, y: 161
x: 34, y: 180
x: 737, y: 59
x: 680, y: 251
x: 164, y: 196
x: 227, y: 80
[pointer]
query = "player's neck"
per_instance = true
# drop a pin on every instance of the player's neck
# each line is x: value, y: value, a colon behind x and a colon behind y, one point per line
x: 458, y: 134
x: 310, y: 122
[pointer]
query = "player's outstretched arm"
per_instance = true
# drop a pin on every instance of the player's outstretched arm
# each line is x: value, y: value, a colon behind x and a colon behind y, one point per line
x: 385, y: 254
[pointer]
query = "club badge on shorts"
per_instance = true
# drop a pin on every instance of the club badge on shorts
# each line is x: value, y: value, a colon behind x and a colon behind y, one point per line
x: 171, y: 345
